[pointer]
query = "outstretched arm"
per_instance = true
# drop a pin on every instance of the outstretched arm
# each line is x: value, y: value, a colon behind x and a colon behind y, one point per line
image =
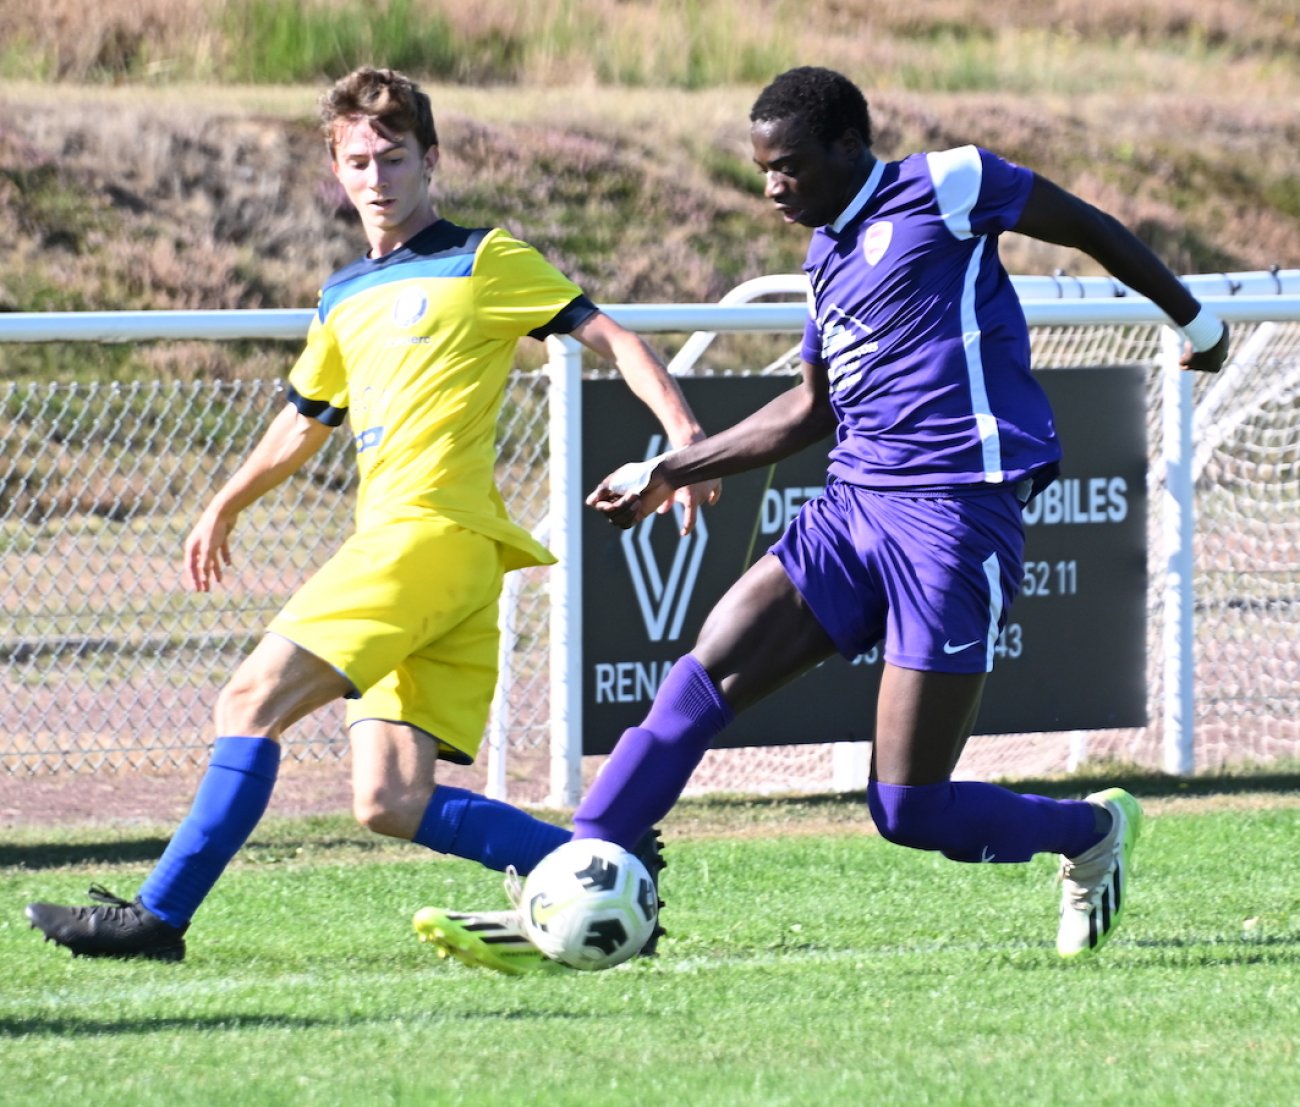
x: 654, y: 386
x: 288, y: 443
x: 1052, y: 214
x: 782, y: 427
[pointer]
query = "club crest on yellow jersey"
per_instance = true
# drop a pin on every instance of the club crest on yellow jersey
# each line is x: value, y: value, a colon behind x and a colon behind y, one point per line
x: 409, y: 306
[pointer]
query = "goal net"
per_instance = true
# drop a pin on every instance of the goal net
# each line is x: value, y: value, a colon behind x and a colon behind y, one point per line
x: 1246, y: 587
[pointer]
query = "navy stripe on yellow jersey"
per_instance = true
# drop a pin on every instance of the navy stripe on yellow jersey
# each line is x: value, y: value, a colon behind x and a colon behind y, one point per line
x: 316, y: 409
x: 416, y: 348
x: 568, y: 320
x: 442, y: 250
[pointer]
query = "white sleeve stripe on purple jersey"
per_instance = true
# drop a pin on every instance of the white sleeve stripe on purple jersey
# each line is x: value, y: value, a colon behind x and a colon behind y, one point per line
x: 993, y: 574
x: 956, y: 176
x: 986, y: 422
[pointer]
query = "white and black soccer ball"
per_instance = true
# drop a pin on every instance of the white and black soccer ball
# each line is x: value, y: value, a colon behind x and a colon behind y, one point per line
x: 589, y: 904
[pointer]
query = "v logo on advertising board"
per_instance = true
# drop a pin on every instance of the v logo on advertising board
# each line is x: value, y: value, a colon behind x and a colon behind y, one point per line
x: 664, y: 597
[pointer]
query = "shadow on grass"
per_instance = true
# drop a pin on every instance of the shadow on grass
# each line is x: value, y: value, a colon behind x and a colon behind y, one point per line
x: 276, y: 839
x: 69, y: 1026
x: 57, y: 855
x: 1215, y: 942
x: 1262, y: 950
x: 1141, y: 783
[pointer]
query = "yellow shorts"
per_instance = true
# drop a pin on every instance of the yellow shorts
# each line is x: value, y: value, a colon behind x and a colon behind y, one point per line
x: 407, y: 611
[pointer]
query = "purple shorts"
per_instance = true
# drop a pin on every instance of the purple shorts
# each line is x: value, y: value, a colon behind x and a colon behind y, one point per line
x: 932, y: 574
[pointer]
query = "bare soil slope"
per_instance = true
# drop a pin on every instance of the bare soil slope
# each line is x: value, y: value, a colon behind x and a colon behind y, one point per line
x: 193, y: 198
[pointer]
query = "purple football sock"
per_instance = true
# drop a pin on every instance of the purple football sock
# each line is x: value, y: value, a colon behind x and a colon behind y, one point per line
x: 972, y: 821
x: 651, y: 764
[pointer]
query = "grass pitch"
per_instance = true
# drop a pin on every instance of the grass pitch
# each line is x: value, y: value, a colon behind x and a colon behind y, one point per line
x: 808, y: 962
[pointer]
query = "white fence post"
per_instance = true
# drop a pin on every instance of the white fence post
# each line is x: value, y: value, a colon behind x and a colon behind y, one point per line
x: 565, y: 430
x: 498, y: 733
x: 1179, y: 529
x: 850, y: 766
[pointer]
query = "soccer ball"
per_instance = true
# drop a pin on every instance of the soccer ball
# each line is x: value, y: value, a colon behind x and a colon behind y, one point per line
x: 589, y: 904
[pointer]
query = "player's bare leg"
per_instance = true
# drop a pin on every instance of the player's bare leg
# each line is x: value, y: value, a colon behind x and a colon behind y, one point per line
x: 760, y: 636
x: 395, y: 792
x: 923, y: 722
x: 393, y: 776
x: 274, y: 687
x: 277, y: 684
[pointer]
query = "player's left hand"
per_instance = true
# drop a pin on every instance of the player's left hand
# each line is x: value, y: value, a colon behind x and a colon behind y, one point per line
x: 1206, y: 361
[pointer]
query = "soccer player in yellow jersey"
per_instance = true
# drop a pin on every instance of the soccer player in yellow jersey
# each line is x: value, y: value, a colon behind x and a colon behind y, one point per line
x: 411, y: 345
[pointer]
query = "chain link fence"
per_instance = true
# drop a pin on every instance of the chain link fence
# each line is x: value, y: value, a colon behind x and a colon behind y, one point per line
x: 109, y: 663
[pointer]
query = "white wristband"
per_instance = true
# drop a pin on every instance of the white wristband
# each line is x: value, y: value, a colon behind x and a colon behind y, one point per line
x: 1204, y: 331
x: 633, y: 477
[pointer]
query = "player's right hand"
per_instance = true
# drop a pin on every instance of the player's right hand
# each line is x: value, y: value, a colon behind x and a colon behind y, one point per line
x: 631, y: 493
x: 638, y: 489
x: 207, y: 550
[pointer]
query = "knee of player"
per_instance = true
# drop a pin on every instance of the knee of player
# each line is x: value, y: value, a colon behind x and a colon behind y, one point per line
x: 386, y: 812
x: 911, y: 815
x: 380, y: 820
x: 236, y: 703
x: 263, y: 699
x: 242, y: 707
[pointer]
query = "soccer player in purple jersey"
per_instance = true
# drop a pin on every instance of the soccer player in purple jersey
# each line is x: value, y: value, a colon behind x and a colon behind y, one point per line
x: 916, y: 354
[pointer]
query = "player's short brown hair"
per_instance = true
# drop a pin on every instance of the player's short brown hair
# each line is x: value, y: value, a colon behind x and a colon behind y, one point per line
x: 388, y: 97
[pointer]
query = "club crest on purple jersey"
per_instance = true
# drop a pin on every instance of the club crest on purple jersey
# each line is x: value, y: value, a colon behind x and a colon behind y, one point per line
x: 876, y: 239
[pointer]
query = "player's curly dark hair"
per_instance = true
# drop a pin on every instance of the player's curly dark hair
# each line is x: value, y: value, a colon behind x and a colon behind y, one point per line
x: 388, y: 97
x: 823, y: 102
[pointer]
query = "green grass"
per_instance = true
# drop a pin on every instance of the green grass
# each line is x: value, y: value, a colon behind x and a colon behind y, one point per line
x: 959, y: 45
x: 808, y: 962
x: 302, y: 43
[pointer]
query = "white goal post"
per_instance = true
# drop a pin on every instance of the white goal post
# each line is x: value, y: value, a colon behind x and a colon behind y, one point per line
x: 1223, y: 595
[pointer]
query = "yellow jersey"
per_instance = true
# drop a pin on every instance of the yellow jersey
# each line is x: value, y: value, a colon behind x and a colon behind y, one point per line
x: 414, y: 348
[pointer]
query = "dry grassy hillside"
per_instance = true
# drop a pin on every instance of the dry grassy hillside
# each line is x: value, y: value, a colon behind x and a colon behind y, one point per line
x: 165, y: 194
x: 1066, y: 45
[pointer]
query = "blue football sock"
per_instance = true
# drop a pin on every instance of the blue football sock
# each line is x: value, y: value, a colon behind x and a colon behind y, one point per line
x: 466, y: 824
x: 230, y: 800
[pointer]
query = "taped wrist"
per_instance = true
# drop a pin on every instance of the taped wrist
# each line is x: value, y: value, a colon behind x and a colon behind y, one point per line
x: 1204, y: 331
x: 634, y: 477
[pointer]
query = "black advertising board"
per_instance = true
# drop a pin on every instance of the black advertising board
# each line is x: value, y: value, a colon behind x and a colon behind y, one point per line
x: 1073, y: 655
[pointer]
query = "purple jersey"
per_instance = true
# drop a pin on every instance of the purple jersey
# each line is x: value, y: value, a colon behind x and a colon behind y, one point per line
x: 921, y: 331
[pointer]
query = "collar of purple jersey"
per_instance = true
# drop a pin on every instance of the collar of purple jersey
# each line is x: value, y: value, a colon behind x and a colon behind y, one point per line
x: 860, y: 200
